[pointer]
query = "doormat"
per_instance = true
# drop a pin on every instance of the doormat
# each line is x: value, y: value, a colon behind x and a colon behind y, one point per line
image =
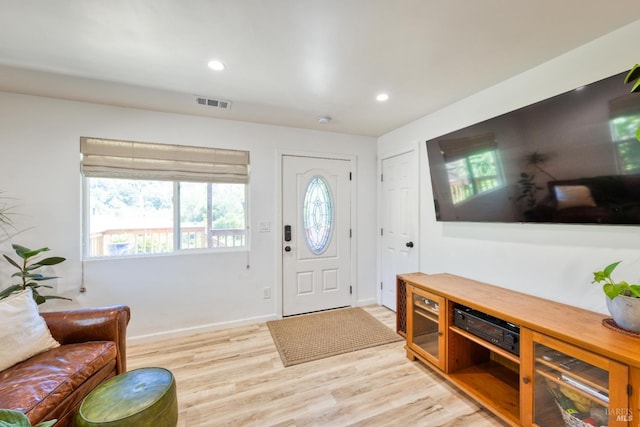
x: 315, y: 336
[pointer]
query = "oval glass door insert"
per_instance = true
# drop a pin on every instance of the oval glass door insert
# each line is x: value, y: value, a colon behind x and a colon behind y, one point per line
x: 317, y: 215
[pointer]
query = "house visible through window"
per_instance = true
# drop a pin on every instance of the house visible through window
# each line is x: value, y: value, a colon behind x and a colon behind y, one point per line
x: 472, y: 166
x: 153, y: 198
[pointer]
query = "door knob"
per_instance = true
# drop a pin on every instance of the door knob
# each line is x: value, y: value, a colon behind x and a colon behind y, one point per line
x: 287, y: 248
x: 409, y: 244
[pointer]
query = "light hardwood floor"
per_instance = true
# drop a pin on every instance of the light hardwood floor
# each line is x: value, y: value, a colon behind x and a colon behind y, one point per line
x: 234, y: 377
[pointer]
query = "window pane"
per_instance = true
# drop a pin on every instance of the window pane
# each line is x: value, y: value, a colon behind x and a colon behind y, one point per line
x: 317, y: 215
x: 212, y: 215
x: 128, y: 217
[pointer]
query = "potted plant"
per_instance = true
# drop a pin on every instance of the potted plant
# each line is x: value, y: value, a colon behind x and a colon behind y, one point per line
x: 27, y: 274
x: 623, y: 299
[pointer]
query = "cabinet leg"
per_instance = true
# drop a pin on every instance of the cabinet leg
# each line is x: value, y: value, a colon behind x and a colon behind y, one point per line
x: 410, y: 355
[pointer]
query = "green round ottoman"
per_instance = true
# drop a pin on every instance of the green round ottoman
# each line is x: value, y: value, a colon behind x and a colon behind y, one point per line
x: 144, y: 397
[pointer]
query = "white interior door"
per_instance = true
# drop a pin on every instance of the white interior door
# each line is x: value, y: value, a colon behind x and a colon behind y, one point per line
x: 316, y: 247
x: 399, y: 222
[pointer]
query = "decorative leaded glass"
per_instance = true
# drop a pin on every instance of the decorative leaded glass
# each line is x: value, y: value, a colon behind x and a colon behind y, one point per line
x: 317, y: 215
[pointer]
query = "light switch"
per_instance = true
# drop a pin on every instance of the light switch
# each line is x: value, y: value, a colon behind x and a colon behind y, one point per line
x: 265, y: 227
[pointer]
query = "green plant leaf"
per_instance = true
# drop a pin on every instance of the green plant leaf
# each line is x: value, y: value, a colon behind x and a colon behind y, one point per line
x: 39, y: 299
x: 611, y: 290
x: 48, y: 297
x: 635, y: 290
x: 11, y: 289
x: 12, y: 262
x: 633, y: 74
x: 21, y: 250
x: 9, y: 418
x: 26, y: 253
x: 46, y: 423
x: 638, y: 134
x: 609, y: 268
x: 50, y: 261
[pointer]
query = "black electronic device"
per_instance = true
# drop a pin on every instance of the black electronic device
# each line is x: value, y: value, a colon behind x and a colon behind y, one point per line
x: 522, y: 165
x: 497, y: 331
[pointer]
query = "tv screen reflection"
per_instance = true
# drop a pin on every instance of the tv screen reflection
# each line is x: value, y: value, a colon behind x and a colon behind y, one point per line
x: 573, y: 158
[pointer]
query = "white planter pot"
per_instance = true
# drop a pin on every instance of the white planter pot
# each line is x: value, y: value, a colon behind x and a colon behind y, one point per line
x: 625, y: 311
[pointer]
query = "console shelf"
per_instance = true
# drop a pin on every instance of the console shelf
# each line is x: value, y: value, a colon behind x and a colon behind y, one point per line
x: 570, y: 367
x: 490, y: 346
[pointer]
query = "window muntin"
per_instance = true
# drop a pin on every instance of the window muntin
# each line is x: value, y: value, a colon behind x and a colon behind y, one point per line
x: 318, y: 215
x: 136, y: 217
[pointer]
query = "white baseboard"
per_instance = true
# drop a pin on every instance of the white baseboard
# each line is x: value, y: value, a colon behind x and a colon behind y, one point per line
x: 370, y: 301
x: 183, y: 332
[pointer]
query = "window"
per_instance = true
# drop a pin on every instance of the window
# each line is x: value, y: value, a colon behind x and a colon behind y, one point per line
x: 160, y: 206
x: 472, y: 166
x: 317, y: 215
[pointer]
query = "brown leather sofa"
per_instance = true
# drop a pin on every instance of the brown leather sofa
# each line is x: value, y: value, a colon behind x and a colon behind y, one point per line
x: 54, y: 383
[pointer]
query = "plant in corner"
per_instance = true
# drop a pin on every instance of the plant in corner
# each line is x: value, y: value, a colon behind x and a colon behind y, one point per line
x: 623, y: 299
x: 27, y: 274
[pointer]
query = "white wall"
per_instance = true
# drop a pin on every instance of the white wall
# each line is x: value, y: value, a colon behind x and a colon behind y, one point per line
x: 551, y: 261
x: 39, y: 167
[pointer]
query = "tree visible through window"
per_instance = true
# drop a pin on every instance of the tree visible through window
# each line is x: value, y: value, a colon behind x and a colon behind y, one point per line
x: 129, y: 217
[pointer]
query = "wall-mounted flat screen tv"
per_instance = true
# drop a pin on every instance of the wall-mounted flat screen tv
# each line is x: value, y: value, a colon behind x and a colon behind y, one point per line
x: 573, y: 158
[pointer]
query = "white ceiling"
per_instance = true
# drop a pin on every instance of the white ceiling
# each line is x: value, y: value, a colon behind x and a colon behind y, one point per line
x: 290, y: 62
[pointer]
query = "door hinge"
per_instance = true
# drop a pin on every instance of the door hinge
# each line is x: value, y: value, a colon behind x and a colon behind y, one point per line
x: 380, y: 285
x: 629, y: 390
x: 350, y: 176
x: 350, y: 290
x: 381, y: 177
x: 381, y: 231
x: 350, y: 233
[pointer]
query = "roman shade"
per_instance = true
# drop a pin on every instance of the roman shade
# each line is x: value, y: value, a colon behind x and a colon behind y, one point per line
x: 108, y: 158
x: 459, y: 148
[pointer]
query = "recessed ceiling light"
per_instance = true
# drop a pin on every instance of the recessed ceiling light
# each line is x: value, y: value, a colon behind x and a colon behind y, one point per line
x: 216, y: 65
x: 382, y: 97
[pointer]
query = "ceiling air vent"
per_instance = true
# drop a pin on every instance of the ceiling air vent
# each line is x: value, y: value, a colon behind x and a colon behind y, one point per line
x: 212, y: 102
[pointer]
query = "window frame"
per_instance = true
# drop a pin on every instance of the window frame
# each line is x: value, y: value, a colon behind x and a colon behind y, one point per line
x: 177, y: 246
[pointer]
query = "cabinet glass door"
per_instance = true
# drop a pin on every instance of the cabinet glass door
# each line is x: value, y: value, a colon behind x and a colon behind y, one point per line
x: 572, y: 388
x: 426, y: 334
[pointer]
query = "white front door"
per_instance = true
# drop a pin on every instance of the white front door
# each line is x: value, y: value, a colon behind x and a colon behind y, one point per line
x: 399, y: 222
x: 316, y: 247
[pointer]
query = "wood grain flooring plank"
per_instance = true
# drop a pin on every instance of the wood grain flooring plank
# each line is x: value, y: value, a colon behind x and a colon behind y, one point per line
x: 234, y: 377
